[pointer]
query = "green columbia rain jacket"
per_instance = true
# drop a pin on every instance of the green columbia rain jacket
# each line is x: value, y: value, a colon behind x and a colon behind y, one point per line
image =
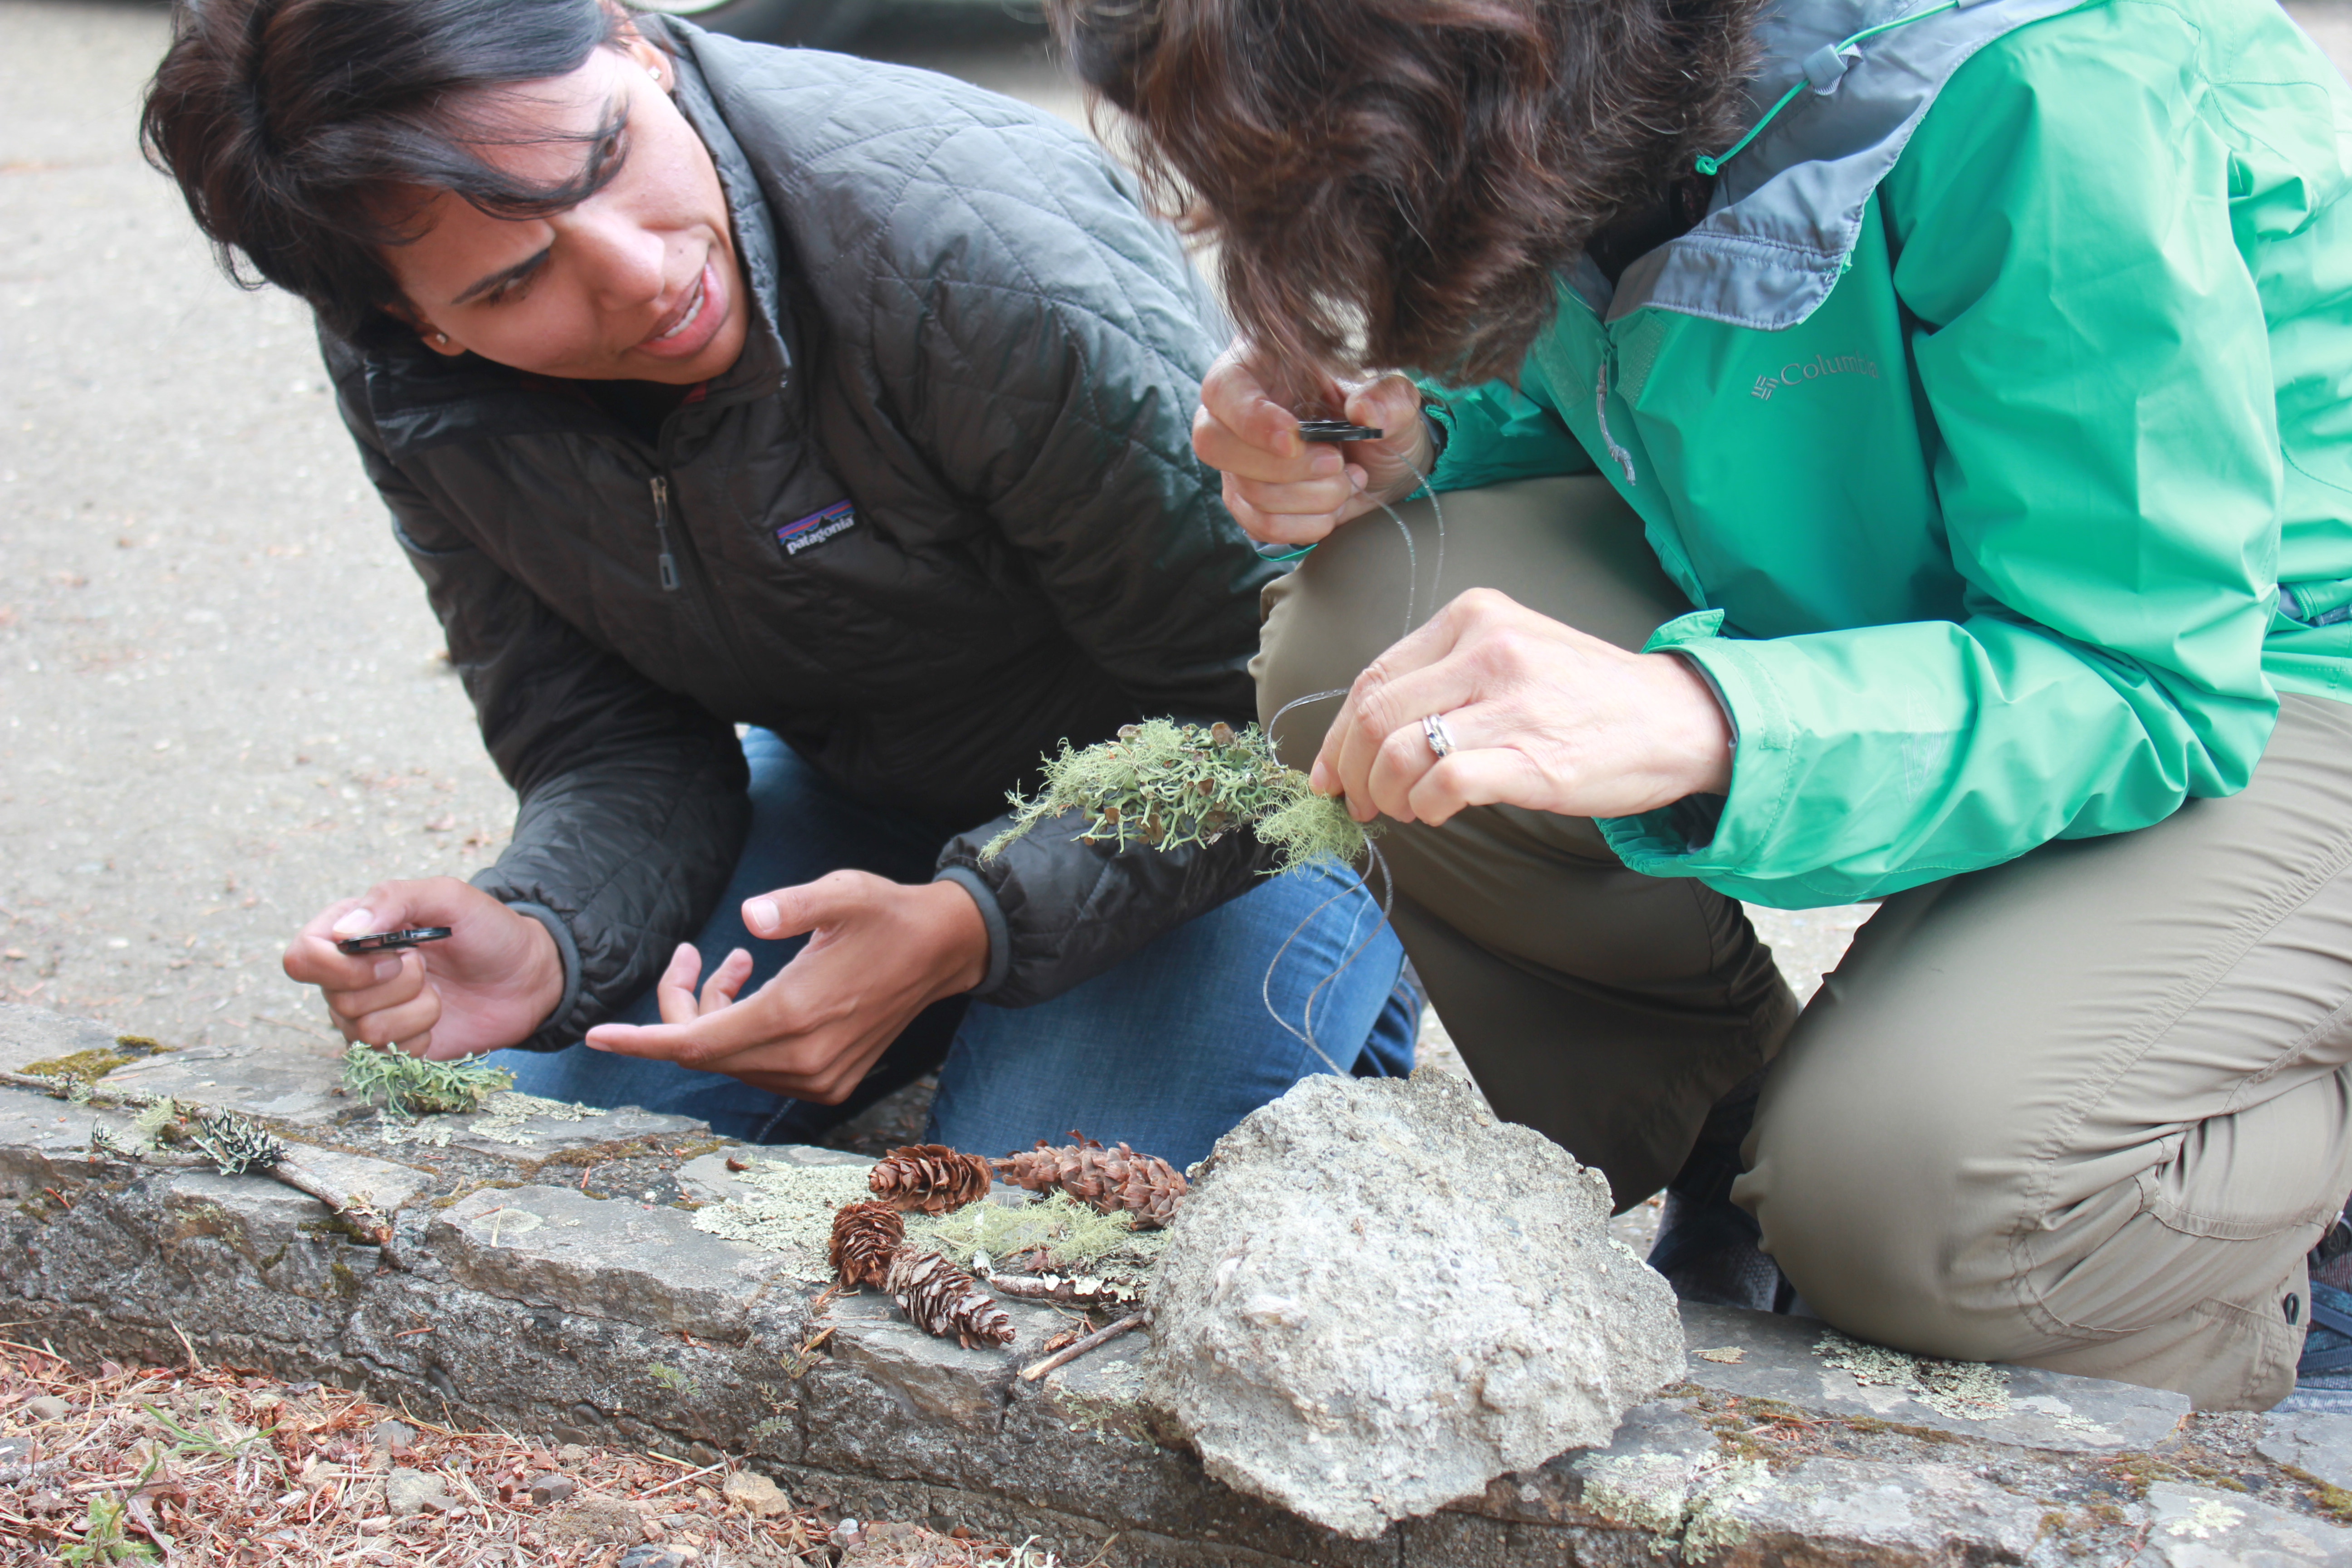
x: 1998, y: 418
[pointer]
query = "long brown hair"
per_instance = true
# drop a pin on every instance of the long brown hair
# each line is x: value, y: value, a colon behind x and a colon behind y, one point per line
x: 1394, y: 184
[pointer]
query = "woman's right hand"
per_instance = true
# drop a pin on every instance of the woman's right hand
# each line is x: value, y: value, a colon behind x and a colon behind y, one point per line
x: 1285, y: 490
x: 489, y: 984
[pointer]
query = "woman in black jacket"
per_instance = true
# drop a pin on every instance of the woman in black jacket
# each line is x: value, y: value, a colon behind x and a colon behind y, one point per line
x: 723, y: 391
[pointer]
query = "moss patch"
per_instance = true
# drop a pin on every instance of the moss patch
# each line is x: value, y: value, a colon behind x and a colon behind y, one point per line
x: 88, y: 1066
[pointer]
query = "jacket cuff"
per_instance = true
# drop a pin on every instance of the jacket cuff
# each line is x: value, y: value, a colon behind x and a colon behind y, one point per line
x: 568, y: 950
x: 991, y: 915
x: 1712, y: 836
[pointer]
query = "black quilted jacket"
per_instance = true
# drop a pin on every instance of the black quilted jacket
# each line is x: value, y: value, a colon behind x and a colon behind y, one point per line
x: 943, y: 513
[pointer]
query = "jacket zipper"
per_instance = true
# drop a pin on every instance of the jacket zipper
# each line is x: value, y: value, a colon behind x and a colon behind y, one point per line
x: 661, y: 531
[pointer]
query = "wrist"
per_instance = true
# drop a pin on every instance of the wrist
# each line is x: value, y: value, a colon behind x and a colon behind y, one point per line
x: 960, y: 936
x: 547, y: 977
x: 1699, y: 735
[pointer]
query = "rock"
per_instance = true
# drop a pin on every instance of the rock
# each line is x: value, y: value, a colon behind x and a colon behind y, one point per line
x: 556, y: 1247
x: 2319, y: 1443
x: 658, y: 1557
x: 551, y: 1487
x: 47, y: 1407
x: 1379, y: 1297
x: 755, y: 1494
x: 1852, y: 1510
x: 407, y: 1492
x: 1780, y: 1359
x: 2192, y: 1527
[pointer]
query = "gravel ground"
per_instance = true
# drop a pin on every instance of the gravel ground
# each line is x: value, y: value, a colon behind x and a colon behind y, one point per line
x: 222, y: 699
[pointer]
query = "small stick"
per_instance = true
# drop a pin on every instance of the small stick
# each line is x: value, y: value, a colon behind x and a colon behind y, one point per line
x: 1067, y: 1354
x: 1049, y: 1287
x: 290, y: 1171
x: 680, y: 1480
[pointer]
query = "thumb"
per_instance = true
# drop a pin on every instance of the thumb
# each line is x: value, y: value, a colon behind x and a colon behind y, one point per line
x: 354, y: 922
x: 1390, y: 405
x: 791, y: 912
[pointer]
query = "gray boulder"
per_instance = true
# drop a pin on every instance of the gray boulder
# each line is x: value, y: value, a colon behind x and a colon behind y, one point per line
x: 1378, y: 1298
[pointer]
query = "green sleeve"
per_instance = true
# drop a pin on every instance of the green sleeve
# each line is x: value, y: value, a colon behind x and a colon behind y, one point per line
x: 1495, y: 432
x: 2090, y: 347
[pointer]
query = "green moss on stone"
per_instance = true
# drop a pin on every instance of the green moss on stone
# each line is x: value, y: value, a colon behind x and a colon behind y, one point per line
x: 88, y: 1066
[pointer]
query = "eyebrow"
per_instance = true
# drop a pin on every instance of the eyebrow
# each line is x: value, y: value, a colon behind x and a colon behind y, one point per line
x: 503, y: 276
x: 615, y: 128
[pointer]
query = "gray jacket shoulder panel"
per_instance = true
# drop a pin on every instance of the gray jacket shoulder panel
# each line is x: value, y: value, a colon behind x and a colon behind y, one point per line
x: 1789, y: 209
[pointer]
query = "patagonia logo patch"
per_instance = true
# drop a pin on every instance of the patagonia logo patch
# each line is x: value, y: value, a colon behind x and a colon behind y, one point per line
x: 817, y: 527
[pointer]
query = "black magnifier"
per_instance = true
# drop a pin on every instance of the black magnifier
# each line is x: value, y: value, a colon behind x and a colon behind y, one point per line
x: 1336, y: 430
x: 379, y: 942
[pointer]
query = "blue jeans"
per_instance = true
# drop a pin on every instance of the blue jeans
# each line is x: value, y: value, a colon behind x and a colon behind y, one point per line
x: 1165, y: 1052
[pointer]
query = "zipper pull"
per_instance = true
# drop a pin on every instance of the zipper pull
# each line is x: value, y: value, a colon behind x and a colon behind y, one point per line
x: 661, y: 528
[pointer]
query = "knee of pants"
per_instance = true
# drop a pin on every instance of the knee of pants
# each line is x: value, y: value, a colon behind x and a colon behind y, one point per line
x: 1877, y: 1223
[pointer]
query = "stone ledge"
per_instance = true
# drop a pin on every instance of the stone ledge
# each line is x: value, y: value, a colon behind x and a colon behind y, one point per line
x: 537, y: 1307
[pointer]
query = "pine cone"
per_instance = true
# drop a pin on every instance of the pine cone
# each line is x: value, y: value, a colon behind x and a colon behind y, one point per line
x: 931, y: 1177
x: 865, y: 1235
x: 943, y: 1299
x: 1112, y: 1180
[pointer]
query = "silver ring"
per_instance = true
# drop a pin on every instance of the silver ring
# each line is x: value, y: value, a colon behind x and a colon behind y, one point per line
x: 1440, y: 739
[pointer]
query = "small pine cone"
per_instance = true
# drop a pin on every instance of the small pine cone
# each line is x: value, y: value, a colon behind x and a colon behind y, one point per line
x: 942, y: 1300
x: 863, y: 1237
x: 1112, y: 1180
x: 931, y: 1177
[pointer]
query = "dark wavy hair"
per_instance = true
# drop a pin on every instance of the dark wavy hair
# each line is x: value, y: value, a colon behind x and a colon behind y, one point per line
x: 305, y: 134
x: 1394, y: 184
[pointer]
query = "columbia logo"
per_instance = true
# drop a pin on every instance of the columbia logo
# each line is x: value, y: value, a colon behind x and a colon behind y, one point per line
x: 817, y: 527
x: 1814, y: 369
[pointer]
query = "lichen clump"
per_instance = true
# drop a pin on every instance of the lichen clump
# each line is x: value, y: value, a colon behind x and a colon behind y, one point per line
x: 411, y: 1086
x: 1071, y: 1235
x: 1963, y: 1390
x: 1167, y: 784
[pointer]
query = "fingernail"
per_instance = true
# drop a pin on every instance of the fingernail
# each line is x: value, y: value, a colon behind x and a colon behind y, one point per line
x: 761, y: 914
x: 1326, y: 461
x: 386, y: 968
x: 1355, y: 478
x: 593, y: 1044
x: 356, y: 921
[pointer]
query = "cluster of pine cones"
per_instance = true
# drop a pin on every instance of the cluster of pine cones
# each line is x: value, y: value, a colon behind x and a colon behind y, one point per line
x: 869, y: 1239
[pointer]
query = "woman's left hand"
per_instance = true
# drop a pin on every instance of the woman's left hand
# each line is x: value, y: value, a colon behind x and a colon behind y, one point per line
x: 1539, y: 714
x: 881, y: 952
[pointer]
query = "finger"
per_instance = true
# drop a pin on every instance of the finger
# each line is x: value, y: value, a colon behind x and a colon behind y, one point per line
x: 1234, y: 397
x: 397, y: 1025
x: 1474, y: 778
x: 673, y: 992
x: 1390, y: 405
x: 1231, y: 451
x: 725, y: 980
x: 1274, y: 528
x: 832, y: 898
x: 405, y: 977
x: 760, y: 1021
x: 1317, y: 497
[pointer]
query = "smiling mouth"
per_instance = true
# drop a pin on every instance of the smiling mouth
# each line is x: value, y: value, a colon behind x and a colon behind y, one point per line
x: 693, y: 311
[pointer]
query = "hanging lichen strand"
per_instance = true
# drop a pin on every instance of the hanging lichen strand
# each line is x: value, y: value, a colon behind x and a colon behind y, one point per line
x: 1169, y: 784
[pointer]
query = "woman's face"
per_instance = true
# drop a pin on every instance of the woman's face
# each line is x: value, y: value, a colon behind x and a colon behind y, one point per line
x: 638, y: 282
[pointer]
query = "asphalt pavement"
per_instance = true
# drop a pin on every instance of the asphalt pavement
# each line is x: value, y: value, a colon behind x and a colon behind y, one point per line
x: 222, y: 701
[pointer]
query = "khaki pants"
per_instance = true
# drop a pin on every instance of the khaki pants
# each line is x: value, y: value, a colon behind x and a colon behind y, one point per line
x: 2085, y: 1111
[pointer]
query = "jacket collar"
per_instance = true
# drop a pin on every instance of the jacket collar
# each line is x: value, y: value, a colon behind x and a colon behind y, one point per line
x: 1787, y: 209
x: 418, y: 398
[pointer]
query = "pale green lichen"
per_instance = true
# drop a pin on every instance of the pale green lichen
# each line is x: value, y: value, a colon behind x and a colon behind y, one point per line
x: 1963, y: 1390
x: 1713, y: 1522
x: 411, y: 1086
x: 1073, y: 1236
x: 501, y: 1121
x: 1645, y: 1491
x: 1167, y: 784
x: 787, y: 1209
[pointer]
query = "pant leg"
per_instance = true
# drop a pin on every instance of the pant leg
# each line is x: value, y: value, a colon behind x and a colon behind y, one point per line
x: 1172, y: 1047
x: 2088, y: 1109
x: 801, y: 827
x: 1606, y: 1009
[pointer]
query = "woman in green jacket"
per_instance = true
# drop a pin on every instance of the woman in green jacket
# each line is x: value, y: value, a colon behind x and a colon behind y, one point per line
x: 1882, y: 450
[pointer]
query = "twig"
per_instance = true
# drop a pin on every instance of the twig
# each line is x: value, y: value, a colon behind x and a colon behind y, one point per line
x: 680, y: 1480
x: 1051, y: 1288
x: 1068, y: 1354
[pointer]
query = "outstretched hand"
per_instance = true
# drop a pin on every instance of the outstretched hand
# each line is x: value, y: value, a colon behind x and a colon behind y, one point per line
x: 881, y: 951
x: 1285, y: 490
x: 1540, y: 715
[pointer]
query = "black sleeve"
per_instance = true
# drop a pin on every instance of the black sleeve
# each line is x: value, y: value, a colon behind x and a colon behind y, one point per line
x: 632, y: 810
